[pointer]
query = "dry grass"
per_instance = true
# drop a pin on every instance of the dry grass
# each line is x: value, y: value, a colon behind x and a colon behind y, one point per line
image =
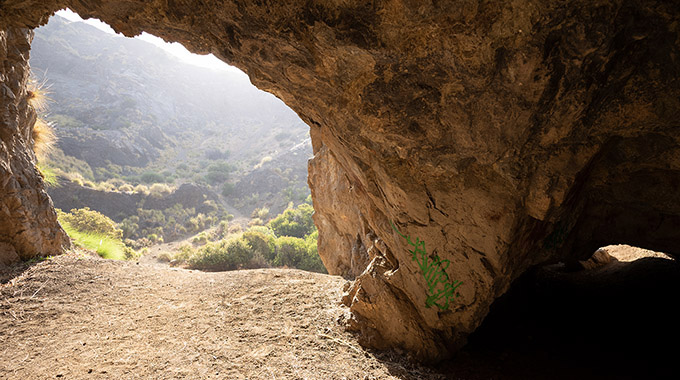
x: 38, y: 95
x: 44, y: 139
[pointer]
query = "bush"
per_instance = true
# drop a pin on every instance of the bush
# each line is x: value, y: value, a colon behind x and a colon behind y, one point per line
x: 297, y: 253
x: 200, y: 239
x: 261, y: 213
x: 141, y: 189
x: 152, y: 177
x: 261, y: 241
x: 159, y: 190
x: 87, y: 220
x: 263, y: 161
x: 255, y: 222
x: 116, y: 182
x: 49, y: 175
x: 126, y: 188
x: 294, y: 222
x: 218, y: 173
x: 227, y: 189
x: 105, y: 186
x: 223, y: 255
x: 95, y: 231
x: 105, y: 246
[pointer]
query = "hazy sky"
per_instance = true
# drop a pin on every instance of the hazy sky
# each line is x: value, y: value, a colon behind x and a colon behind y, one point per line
x: 176, y: 49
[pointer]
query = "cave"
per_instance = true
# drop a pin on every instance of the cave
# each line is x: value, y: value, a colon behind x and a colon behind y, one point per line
x: 457, y: 144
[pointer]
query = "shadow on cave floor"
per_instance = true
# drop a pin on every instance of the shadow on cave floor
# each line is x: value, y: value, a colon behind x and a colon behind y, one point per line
x: 619, y: 321
x: 9, y: 272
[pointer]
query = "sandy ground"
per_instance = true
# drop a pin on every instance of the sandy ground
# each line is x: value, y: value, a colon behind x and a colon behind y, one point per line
x: 80, y: 317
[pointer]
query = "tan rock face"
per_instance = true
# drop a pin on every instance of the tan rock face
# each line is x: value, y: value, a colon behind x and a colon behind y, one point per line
x: 28, y: 222
x: 457, y: 143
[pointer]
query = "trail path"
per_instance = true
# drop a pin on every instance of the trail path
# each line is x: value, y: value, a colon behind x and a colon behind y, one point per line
x: 80, y: 317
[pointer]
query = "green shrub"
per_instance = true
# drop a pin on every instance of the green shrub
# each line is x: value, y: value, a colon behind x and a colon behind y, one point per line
x: 49, y: 174
x: 152, y: 177
x: 261, y: 241
x: 218, y: 172
x: 87, y: 220
x: 255, y: 222
x: 105, y: 246
x: 227, y: 189
x: 215, y: 178
x: 154, y: 238
x: 141, y: 189
x: 263, y: 161
x: 261, y: 213
x: 200, y: 239
x: 159, y: 190
x: 116, y: 182
x: 297, y: 253
x: 222, y: 255
x: 95, y: 231
x: 294, y: 222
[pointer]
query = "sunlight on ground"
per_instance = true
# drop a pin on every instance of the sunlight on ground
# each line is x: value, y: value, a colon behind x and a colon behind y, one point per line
x: 627, y: 253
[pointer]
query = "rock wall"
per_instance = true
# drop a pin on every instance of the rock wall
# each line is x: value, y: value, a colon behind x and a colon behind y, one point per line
x: 457, y: 143
x: 28, y: 222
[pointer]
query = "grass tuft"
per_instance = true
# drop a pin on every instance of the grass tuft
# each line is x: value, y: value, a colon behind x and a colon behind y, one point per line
x: 49, y: 174
x: 44, y: 139
x: 105, y: 246
x: 38, y: 95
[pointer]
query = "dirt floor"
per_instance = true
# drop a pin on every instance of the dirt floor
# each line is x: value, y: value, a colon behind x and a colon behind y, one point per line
x: 81, y: 317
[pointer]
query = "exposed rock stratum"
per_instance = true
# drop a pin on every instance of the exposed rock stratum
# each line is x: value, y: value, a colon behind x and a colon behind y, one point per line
x: 502, y: 135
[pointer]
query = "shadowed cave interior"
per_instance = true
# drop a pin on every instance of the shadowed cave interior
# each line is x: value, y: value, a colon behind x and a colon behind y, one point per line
x: 617, y: 321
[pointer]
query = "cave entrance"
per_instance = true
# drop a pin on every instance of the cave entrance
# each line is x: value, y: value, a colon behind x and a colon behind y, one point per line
x: 171, y: 147
x: 607, y: 320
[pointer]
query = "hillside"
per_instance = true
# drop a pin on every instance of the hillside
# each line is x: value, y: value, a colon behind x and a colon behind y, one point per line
x: 123, y: 108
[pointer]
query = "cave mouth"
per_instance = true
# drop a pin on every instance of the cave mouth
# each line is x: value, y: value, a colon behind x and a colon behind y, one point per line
x: 614, y: 318
x: 200, y: 156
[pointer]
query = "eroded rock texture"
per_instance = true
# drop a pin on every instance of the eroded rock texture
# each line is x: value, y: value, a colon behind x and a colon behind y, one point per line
x: 501, y: 134
x: 28, y: 222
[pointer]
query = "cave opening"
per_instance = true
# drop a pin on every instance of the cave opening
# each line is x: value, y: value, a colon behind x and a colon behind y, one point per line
x: 171, y: 146
x: 511, y: 103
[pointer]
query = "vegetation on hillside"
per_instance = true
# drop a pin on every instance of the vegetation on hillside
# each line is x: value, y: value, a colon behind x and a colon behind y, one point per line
x: 95, y: 231
x: 140, y: 124
x: 126, y: 111
x: 259, y: 246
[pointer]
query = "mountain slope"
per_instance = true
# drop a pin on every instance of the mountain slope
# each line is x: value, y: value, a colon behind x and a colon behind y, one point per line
x: 122, y: 107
